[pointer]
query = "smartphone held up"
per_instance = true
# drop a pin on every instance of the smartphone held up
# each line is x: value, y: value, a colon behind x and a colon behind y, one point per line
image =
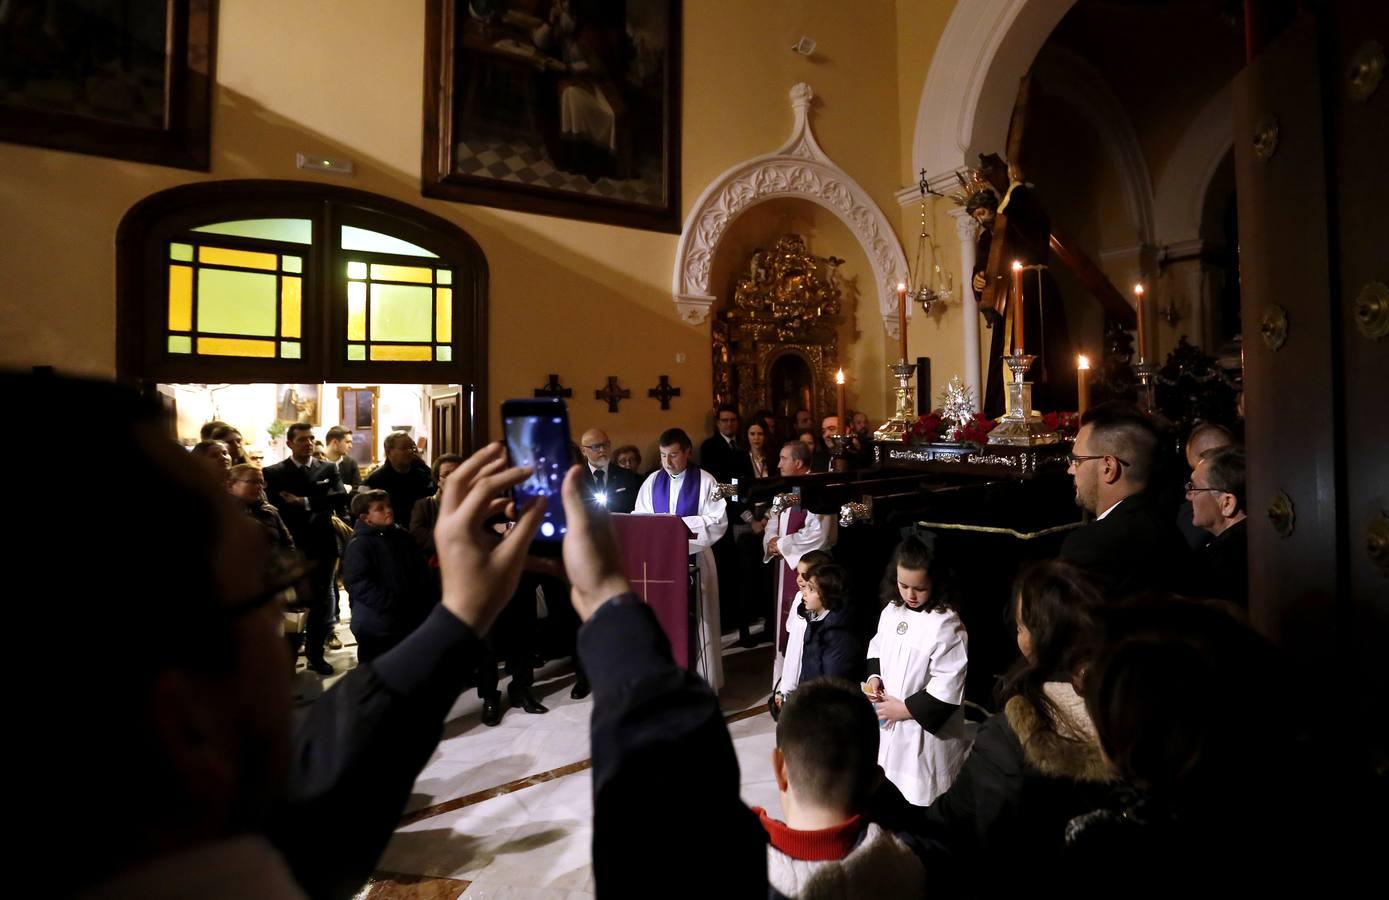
x: 537, y: 436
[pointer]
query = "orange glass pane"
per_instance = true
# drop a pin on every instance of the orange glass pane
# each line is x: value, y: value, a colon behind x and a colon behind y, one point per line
x: 415, y: 274
x: 246, y: 259
x: 401, y: 353
x: 235, y: 347
x: 290, y: 302
x: 443, y: 315
x: 180, y: 298
x: 356, y: 311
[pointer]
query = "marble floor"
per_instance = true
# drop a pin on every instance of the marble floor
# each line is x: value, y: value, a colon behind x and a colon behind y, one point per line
x: 506, y: 812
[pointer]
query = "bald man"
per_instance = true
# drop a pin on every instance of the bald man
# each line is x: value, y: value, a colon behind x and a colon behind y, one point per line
x: 607, y: 484
x: 1204, y: 437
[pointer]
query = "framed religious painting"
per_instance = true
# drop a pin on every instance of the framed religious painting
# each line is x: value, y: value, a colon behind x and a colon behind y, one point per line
x: 130, y: 80
x: 299, y: 403
x: 560, y: 107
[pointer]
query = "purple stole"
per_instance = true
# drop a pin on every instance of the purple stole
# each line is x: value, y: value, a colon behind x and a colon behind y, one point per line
x: 795, y: 520
x: 687, y: 503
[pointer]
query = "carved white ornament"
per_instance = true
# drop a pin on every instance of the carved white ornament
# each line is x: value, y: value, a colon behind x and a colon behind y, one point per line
x: 798, y: 169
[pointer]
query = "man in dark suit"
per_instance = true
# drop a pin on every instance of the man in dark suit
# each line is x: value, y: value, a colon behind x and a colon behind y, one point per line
x: 618, y: 486
x: 337, y: 445
x: 1216, y: 490
x: 1132, y: 545
x: 308, y: 493
x: 719, y: 454
x: 405, y: 476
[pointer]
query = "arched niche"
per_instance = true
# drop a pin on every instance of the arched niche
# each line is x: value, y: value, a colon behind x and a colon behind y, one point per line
x: 798, y: 169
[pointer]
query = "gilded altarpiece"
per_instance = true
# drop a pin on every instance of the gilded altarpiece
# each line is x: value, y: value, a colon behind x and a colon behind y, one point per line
x: 776, y: 343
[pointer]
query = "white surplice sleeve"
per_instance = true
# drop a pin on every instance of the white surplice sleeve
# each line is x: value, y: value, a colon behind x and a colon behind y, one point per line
x: 644, y: 505
x: 818, y: 533
x: 945, y: 679
x: 712, y: 521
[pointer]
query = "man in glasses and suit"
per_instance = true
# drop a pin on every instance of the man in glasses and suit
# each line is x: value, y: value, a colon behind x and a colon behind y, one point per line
x: 1132, y: 545
x: 606, y: 483
x: 308, y: 493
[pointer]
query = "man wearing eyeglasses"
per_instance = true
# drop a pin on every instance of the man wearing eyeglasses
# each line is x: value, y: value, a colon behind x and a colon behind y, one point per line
x: 606, y: 485
x: 719, y: 453
x: 1216, y: 492
x: 1131, y: 545
x: 405, y: 476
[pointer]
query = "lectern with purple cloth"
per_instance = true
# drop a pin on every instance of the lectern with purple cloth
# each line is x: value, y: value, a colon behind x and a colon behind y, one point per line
x: 656, y: 558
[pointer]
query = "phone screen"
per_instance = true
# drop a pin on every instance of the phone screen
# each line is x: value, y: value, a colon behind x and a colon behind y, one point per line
x: 537, y: 435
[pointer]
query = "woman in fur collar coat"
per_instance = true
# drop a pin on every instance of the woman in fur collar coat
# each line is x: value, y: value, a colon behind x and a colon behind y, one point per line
x: 1038, y: 764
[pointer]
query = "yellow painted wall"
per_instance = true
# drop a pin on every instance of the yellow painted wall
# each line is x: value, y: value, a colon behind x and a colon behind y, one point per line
x: 345, y: 79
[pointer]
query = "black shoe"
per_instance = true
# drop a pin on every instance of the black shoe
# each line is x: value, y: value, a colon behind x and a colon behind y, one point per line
x: 492, y: 710
x: 581, y: 688
x: 526, y: 700
x: 321, y: 667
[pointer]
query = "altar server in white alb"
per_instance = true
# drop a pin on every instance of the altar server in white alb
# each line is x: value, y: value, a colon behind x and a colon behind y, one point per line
x: 682, y: 488
x: 916, y: 678
x: 788, y: 537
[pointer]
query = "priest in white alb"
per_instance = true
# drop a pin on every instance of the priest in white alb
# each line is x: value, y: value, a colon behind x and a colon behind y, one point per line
x: 788, y: 537
x: 681, y: 488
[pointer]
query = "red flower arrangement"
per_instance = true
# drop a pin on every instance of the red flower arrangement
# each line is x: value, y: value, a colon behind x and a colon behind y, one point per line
x: 1065, y: 424
x: 926, y: 429
x: 976, y: 430
x: 931, y: 428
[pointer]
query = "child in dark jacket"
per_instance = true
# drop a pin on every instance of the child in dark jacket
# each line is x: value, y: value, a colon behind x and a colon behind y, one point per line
x: 389, y: 585
x: 822, y: 640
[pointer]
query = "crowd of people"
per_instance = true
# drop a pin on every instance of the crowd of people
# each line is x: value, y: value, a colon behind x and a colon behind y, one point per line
x: 1146, y: 741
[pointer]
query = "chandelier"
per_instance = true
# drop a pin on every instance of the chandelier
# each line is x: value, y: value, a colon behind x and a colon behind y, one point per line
x: 927, y: 284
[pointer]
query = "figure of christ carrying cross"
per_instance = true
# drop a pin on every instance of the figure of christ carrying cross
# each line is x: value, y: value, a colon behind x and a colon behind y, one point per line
x: 683, y: 489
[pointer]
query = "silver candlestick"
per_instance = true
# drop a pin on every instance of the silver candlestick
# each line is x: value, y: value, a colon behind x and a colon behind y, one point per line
x: 899, y: 426
x: 1022, y: 426
x: 1147, y: 379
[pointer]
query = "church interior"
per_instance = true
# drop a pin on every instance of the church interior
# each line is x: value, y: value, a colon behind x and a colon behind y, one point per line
x: 988, y: 240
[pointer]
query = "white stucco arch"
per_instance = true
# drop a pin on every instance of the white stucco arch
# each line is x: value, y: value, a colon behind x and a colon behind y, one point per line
x: 986, y: 48
x: 1181, y: 191
x: 799, y: 169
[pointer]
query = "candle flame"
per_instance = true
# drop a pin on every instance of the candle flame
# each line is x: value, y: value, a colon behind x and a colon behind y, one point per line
x: 1138, y: 289
x: 901, y: 286
x: 1082, y: 362
x: 1016, y: 265
x: 839, y: 377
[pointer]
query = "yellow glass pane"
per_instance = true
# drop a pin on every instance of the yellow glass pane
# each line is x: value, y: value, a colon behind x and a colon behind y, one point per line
x: 235, y: 347
x: 401, y: 312
x: 401, y: 353
x: 292, y: 263
x: 443, y: 354
x: 183, y: 252
x: 290, y: 302
x: 180, y: 298
x: 356, y: 311
x: 290, y: 349
x: 380, y: 272
x: 236, y: 302
x: 356, y: 351
x: 246, y: 259
x: 443, y: 315
x: 356, y: 270
x: 180, y: 343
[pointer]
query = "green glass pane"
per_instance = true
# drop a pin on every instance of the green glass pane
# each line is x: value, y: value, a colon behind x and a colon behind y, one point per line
x: 356, y: 351
x: 294, y: 231
x: 182, y: 252
x: 289, y: 349
x: 292, y: 263
x: 376, y: 242
x: 180, y: 343
x: 401, y: 312
x: 443, y: 354
x: 443, y: 276
x: 236, y: 302
x: 356, y: 270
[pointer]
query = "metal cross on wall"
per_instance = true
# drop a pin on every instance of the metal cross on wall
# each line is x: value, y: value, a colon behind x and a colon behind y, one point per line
x: 552, y: 388
x: 612, y: 393
x: 664, y: 392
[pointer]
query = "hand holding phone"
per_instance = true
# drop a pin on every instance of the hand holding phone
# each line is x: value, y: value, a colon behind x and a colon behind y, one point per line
x: 537, y: 437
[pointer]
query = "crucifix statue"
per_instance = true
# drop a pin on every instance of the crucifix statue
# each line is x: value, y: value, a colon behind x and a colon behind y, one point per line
x: 612, y: 393
x: 664, y: 392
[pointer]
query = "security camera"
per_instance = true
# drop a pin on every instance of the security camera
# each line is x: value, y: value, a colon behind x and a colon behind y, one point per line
x: 805, y: 46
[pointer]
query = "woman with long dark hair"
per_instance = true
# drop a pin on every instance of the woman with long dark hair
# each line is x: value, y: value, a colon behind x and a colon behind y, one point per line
x: 1037, y: 764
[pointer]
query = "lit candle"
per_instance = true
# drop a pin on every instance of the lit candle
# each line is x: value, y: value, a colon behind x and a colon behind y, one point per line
x: 839, y: 380
x: 1082, y: 384
x: 1018, y: 321
x: 1142, y: 329
x: 902, y: 317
